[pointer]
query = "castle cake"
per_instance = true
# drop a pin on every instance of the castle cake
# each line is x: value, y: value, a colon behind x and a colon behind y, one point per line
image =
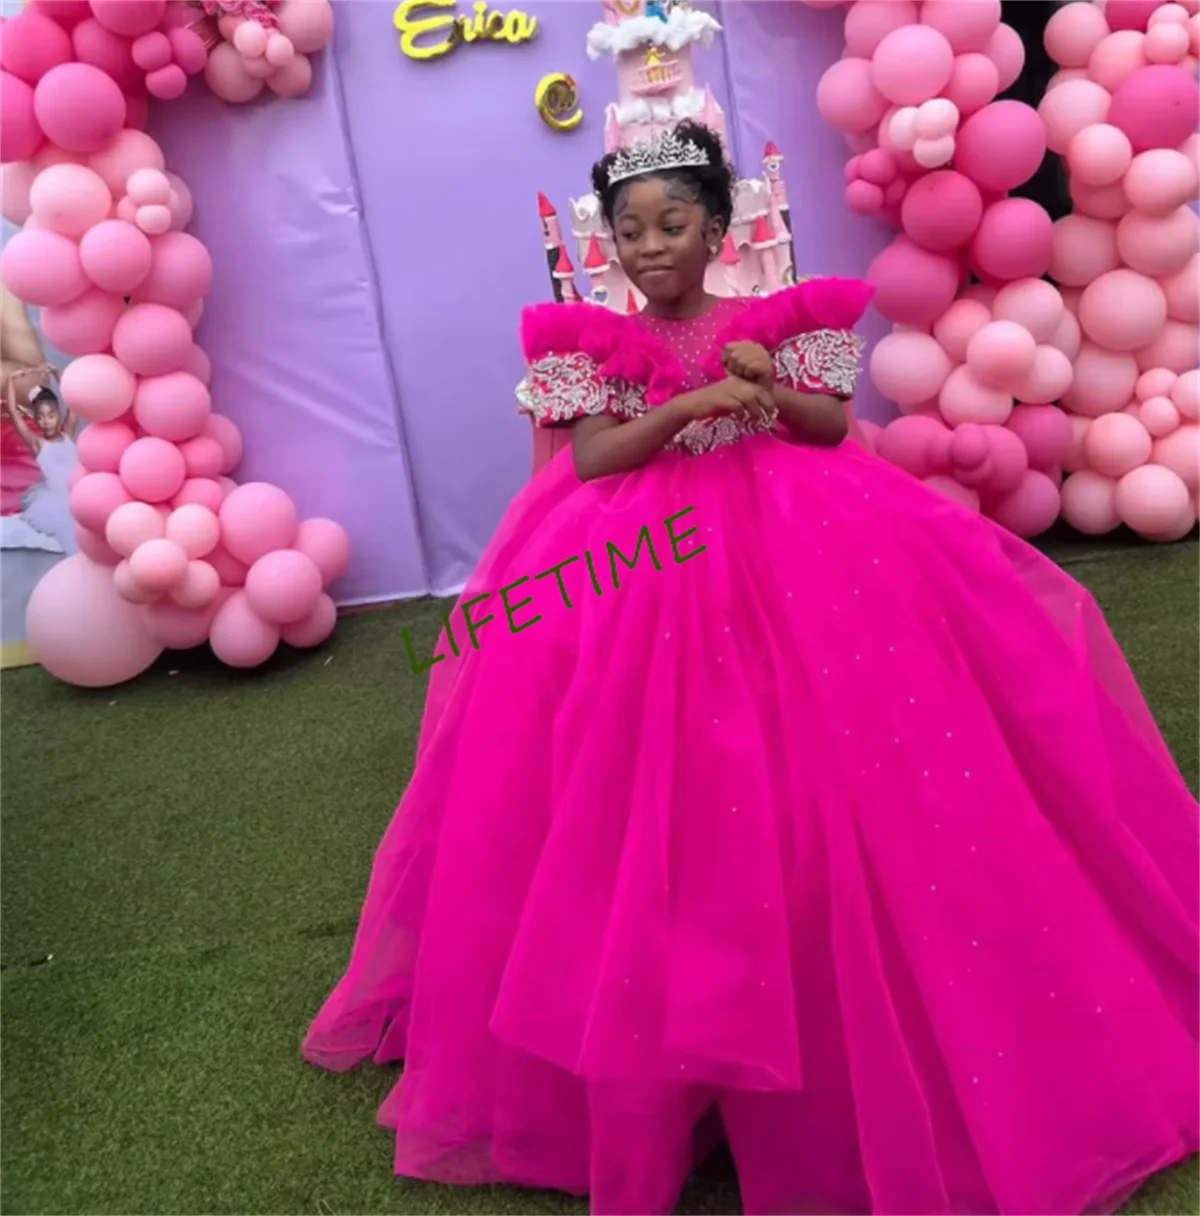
x: 652, y: 41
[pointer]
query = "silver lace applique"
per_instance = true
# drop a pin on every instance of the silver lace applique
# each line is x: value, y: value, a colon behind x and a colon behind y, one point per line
x: 827, y: 359
x: 709, y: 433
x: 561, y: 388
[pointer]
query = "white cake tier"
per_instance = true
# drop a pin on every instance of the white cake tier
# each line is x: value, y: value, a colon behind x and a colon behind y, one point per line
x: 683, y: 27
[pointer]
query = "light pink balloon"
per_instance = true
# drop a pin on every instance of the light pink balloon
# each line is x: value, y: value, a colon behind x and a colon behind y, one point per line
x: 1158, y: 245
x: 280, y: 50
x: 69, y: 199
x: 1031, y: 303
x: 128, y: 152
x: 1156, y: 383
x: 175, y: 406
x: 203, y: 456
x: 158, y: 565
x: 1045, y: 431
x: 115, y: 255
x: 195, y: 529
x: 257, y: 518
x: 973, y: 83
x: 85, y: 325
x: 847, y: 99
x: 1122, y: 310
x: 1007, y: 52
x: 180, y: 202
x: 1159, y: 416
x: 1099, y: 155
x: 199, y: 365
x: 1068, y: 335
x: 1000, y: 353
x: 80, y: 107
x: 283, y: 587
x: 95, y: 547
x: 1166, y: 44
x: 964, y: 398
x: 232, y: 572
x: 42, y: 268
x: 131, y: 525
x: 936, y: 118
x: 869, y: 21
x: 101, y: 445
x: 911, y: 65
x: 199, y: 587
x: 178, y: 628
x: 967, y: 26
x: 15, y: 182
x: 200, y: 491
x: 153, y: 220
x: 1185, y: 395
x: 1001, y: 146
x: 1073, y: 33
x: 1151, y: 500
x: 152, y: 469
x: 1180, y: 452
x: 229, y: 437
x: 326, y: 544
x: 291, y: 79
x: 314, y: 628
x: 1103, y: 381
x: 151, y: 339
x: 1160, y: 180
x: 932, y: 153
x: 81, y: 631
x: 1047, y: 380
x: 239, y: 636
x: 1065, y: 74
x: 307, y: 24
x: 1068, y: 109
x: 909, y: 367
x: 1174, y: 348
x: 1100, y: 202
x: 1116, y: 58
x: 1084, y: 249
x: 148, y: 186
x: 955, y: 328
x: 1073, y: 460
x: 128, y: 588
x: 180, y: 274
x: 1116, y: 444
x: 1089, y: 503
x: 97, y: 388
x: 941, y: 211
x: 1015, y: 240
x: 94, y: 498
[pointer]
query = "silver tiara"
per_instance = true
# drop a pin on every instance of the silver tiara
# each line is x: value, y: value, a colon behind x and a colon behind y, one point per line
x: 654, y: 155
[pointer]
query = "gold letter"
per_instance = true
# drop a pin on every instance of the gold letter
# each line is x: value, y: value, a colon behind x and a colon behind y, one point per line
x: 411, y: 30
x: 518, y: 27
x: 494, y: 30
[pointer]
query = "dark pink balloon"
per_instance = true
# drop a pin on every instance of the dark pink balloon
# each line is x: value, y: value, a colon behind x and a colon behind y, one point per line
x: 941, y: 211
x: 99, y: 46
x: 1001, y: 146
x: 1129, y: 14
x: 20, y: 133
x: 1157, y: 107
x: 912, y: 285
x: 1015, y: 240
x: 68, y: 13
x: 33, y: 44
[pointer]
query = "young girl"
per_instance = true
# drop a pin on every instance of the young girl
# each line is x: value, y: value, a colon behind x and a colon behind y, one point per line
x: 45, y: 427
x: 845, y: 832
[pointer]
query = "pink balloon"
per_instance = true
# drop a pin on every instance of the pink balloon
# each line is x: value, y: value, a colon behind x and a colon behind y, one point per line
x: 199, y: 364
x: 1001, y: 146
x: 129, y: 18
x: 1156, y: 383
x: 974, y: 82
x: 131, y: 525
x: 97, y: 388
x: 307, y: 24
x: 966, y: 26
x: 81, y: 631
x: 200, y: 586
x: 151, y: 339
x: 85, y: 325
x: 1045, y: 431
x: 20, y: 134
x: 912, y: 64
x: 94, y: 498
x: 1069, y: 109
x: 955, y: 328
x: 175, y: 406
x: 1103, y: 382
x: 1099, y: 155
x: 180, y: 203
x: 128, y: 588
x: 1180, y: 452
x: 1089, y: 503
x: 257, y: 518
x: 33, y: 44
x: 112, y: 54
x: 181, y: 272
x: 167, y: 83
x: 199, y: 491
x: 1159, y: 416
x: 326, y: 544
x: 1161, y: 180
x: 909, y: 367
x: 151, y: 51
x: 1185, y: 395
x: 226, y: 75
x: 964, y: 398
x: 1047, y: 380
x: 1151, y: 500
x: 878, y: 166
x: 291, y: 79
x: 1067, y: 336
x: 847, y: 99
x: 912, y: 285
x: 1100, y: 202
x: 115, y: 255
x: 195, y: 529
x: 1116, y: 58
x: 1030, y: 509
x: 870, y: 21
x: 314, y: 628
x: 15, y: 182
x: 1000, y: 353
x: 101, y: 445
x: 1174, y: 348
x: 1006, y: 51
x: 1129, y: 14
x: 232, y: 572
x: 1015, y: 240
x: 941, y: 211
x: 283, y: 587
x: 148, y: 186
x: 919, y: 444
x: 862, y: 198
x: 69, y: 199
x: 188, y: 49
x: 1158, y: 245
x: 1166, y: 44
x: 1157, y: 107
x: 79, y: 107
x: 43, y: 268
x: 158, y: 565
x: 95, y: 547
x: 1084, y: 249
x: 1007, y: 462
x: 152, y: 469
x: 1122, y: 310
x: 954, y: 490
x: 229, y: 437
x: 1073, y: 33
x: 177, y: 628
x: 203, y: 456
x: 1033, y: 304
x: 153, y: 220
x: 1116, y: 444
x: 239, y: 636
x: 128, y: 152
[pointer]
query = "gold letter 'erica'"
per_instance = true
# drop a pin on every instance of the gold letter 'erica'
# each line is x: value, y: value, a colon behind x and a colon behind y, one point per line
x: 483, y: 25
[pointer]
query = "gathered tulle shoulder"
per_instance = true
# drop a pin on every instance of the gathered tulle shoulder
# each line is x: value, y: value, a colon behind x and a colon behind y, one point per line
x: 817, y: 304
x: 620, y: 347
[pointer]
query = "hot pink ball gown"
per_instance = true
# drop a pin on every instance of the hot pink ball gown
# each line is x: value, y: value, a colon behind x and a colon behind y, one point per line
x: 852, y: 828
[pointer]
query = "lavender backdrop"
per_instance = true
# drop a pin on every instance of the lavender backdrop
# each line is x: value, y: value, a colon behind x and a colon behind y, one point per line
x: 375, y: 241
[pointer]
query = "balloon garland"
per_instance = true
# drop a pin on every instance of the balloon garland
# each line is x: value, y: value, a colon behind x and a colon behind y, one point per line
x: 173, y: 552
x: 980, y: 371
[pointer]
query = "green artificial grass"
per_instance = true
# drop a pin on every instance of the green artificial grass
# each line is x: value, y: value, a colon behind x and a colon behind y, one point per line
x: 183, y: 864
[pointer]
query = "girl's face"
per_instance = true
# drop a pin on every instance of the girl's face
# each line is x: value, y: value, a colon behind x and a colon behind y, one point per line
x: 664, y: 239
x: 48, y: 419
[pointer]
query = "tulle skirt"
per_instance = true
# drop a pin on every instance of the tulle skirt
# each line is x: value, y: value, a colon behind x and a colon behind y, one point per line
x: 839, y: 817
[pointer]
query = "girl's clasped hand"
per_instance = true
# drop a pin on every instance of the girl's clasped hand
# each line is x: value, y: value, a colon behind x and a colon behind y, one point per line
x: 747, y: 388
